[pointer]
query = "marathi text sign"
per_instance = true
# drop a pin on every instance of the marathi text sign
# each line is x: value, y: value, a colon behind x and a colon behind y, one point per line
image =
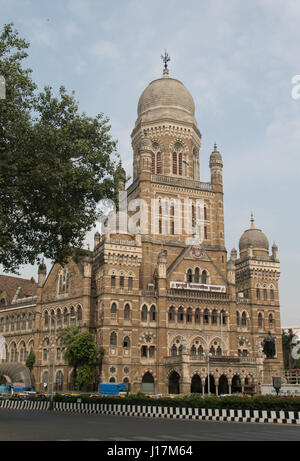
x: 198, y: 286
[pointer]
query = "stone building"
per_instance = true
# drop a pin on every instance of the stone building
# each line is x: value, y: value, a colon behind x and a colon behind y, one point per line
x: 159, y: 292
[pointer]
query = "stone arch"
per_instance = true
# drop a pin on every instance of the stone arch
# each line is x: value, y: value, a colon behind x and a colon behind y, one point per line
x: 148, y: 386
x: 223, y: 385
x: 174, y: 382
x: 196, y: 384
x: 236, y: 385
x: 212, y: 385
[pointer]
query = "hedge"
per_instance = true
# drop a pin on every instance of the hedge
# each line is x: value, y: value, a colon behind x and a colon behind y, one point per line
x: 261, y: 402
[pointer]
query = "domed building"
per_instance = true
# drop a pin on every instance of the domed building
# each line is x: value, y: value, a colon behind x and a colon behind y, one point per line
x: 173, y: 313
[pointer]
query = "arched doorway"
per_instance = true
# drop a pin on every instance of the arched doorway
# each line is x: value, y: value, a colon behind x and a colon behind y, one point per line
x: 196, y: 385
x: 236, y: 384
x: 148, y: 384
x: 223, y: 385
x: 212, y: 385
x: 174, y: 383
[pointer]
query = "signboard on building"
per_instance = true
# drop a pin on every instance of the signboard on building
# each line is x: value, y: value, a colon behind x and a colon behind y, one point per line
x: 198, y: 287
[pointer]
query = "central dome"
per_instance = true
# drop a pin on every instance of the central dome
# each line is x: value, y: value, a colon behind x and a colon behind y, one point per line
x: 166, y: 98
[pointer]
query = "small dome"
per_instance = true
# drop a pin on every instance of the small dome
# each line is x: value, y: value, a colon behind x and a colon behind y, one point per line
x: 253, y: 237
x: 166, y: 98
x: 215, y: 157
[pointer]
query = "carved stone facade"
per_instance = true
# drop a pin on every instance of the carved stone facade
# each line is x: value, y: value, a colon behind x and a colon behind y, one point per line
x: 167, y: 305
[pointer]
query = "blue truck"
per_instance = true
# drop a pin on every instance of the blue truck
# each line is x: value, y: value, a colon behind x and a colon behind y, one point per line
x: 112, y: 388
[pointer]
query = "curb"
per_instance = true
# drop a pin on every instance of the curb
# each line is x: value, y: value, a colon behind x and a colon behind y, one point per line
x: 203, y: 414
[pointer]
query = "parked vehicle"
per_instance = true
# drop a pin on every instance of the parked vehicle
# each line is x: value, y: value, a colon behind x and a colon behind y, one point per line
x: 112, y: 388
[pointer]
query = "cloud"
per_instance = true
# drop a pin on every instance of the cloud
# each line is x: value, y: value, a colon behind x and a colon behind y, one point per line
x: 105, y: 50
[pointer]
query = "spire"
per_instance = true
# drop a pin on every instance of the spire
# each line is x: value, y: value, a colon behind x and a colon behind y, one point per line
x: 252, y: 221
x: 166, y: 58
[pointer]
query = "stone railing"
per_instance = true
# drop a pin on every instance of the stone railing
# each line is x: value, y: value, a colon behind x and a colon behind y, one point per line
x: 184, y: 182
x: 177, y: 293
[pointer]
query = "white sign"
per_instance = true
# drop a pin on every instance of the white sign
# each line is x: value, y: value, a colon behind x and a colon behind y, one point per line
x: 198, y: 287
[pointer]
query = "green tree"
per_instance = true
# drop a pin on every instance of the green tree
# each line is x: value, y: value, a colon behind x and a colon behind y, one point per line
x: 287, y: 345
x: 81, y: 354
x: 56, y: 164
x: 84, y: 376
x: 30, y: 361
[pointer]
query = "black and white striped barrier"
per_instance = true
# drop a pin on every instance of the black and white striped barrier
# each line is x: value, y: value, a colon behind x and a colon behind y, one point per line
x: 203, y: 414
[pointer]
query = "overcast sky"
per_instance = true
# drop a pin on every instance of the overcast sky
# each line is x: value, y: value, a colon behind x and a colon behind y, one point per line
x: 237, y: 59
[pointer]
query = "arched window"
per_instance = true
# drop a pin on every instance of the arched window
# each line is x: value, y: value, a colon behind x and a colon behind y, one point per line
x: 260, y: 320
x: 63, y: 281
x: 59, y: 380
x: 223, y: 317
x: 189, y: 276
x: 174, y: 163
x: 197, y: 275
x: 244, y: 319
x: 272, y: 297
x: 172, y: 314
x: 79, y: 313
x: 58, y: 317
x: 173, y: 350
x: 180, y: 164
x: 153, y: 163
x: 206, y: 316
x: 66, y: 315
x: 127, y: 312
x: 200, y: 351
x: 214, y: 317
x: 204, y: 277
x: 180, y: 314
x: 237, y: 318
x: 197, y: 315
x: 271, y: 320
x: 189, y: 315
x: 23, y: 322
x: 257, y: 293
x: 126, y: 342
x: 113, y: 311
x: 193, y: 350
x: 22, y: 352
x: 45, y: 380
x: 144, y: 313
x: 205, y: 213
x: 158, y: 163
x: 72, y: 315
x: 113, y: 338
x: 46, y: 319
x: 152, y: 314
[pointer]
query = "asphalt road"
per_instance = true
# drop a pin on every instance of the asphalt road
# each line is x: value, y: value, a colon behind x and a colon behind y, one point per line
x: 25, y: 425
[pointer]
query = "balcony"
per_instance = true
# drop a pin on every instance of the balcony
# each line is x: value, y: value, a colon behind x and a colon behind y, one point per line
x: 215, y: 359
x: 196, y: 294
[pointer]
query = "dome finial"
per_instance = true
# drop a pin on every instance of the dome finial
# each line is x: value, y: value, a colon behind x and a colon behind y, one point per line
x: 252, y: 221
x: 166, y: 58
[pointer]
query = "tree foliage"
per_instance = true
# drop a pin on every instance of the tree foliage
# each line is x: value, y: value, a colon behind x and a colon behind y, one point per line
x: 56, y: 164
x: 81, y: 353
x: 30, y: 361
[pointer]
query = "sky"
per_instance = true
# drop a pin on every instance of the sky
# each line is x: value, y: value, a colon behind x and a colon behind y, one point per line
x: 238, y: 59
